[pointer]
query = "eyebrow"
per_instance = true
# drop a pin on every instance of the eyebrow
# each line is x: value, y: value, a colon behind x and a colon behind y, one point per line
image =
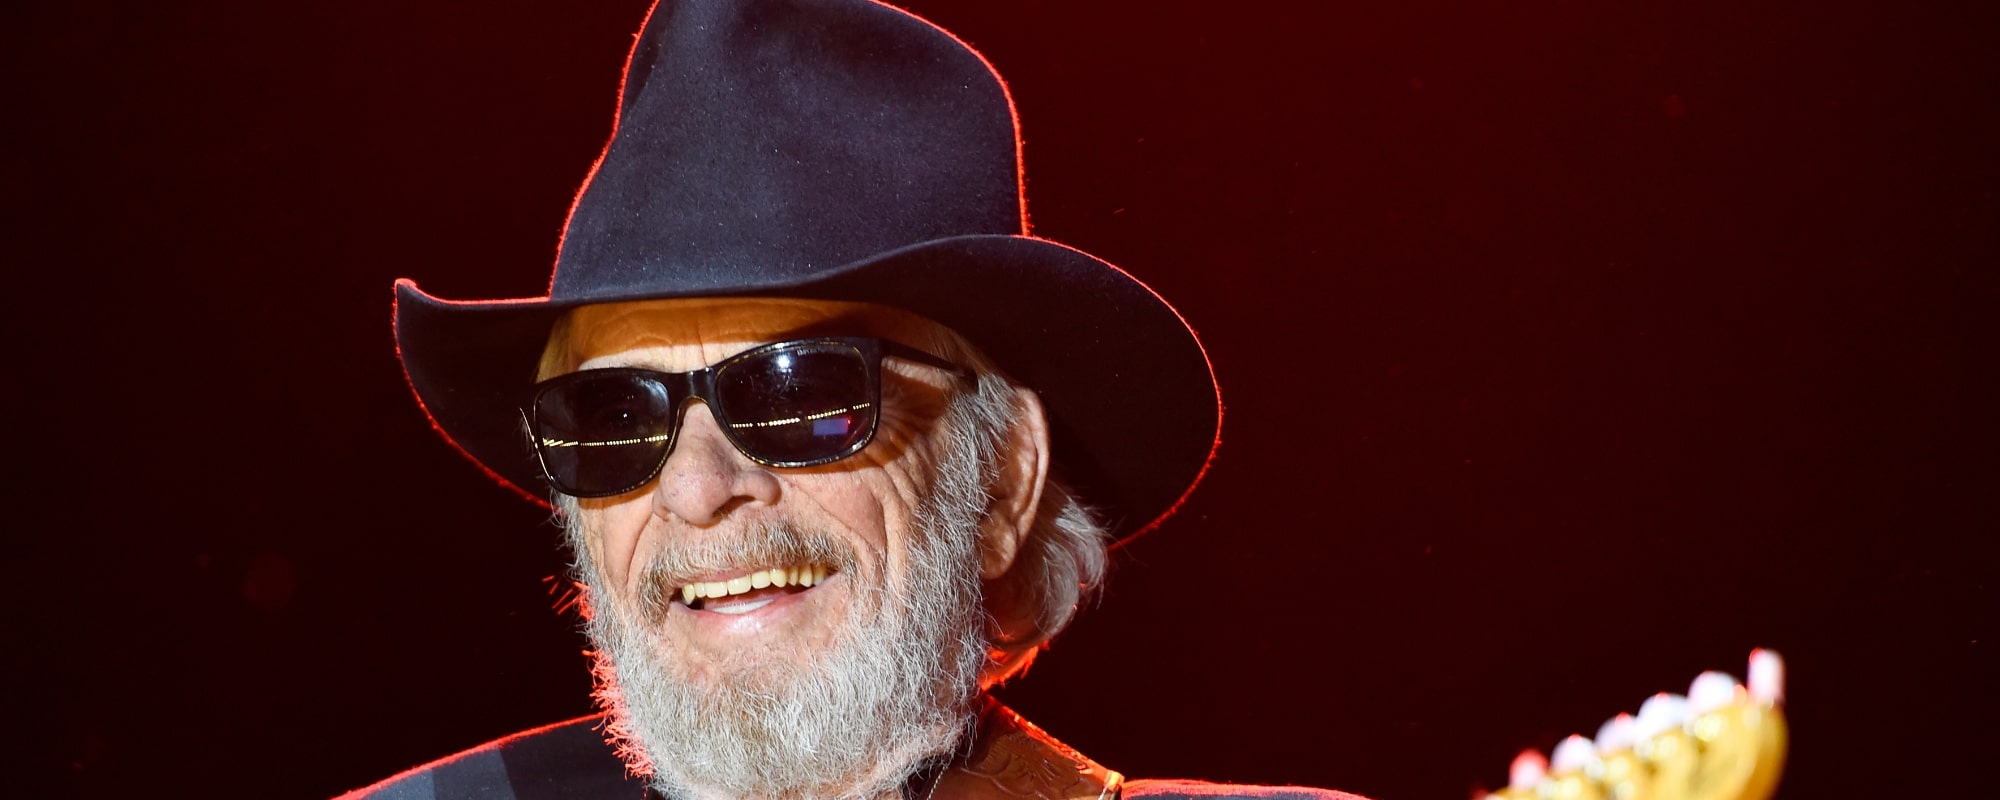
x: 846, y: 323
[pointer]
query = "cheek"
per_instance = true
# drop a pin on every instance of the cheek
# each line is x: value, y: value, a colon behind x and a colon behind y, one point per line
x: 873, y: 508
x: 613, y: 534
x: 876, y: 497
x: 849, y: 505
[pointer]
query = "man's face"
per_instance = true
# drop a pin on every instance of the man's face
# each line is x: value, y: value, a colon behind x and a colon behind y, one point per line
x: 893, y: 556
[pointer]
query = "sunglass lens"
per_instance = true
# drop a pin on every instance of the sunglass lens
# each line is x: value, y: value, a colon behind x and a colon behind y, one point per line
x: 800, y: 405
x: 603, y: 433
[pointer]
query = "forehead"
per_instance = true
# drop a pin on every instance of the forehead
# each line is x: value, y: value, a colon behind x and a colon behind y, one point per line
x: 691, y: 333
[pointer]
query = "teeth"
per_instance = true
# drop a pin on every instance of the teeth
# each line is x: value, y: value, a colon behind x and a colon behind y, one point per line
x: 776, y: 576
x: 747, y: 606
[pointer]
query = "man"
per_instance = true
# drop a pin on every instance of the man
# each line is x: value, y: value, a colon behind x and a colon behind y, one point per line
x: 837, y: 446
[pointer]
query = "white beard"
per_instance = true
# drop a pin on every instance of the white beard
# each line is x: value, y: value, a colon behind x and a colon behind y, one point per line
x: 894, y: 691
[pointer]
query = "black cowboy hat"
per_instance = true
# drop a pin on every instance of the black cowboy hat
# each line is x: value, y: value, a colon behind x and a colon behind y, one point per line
x: 845, y: 150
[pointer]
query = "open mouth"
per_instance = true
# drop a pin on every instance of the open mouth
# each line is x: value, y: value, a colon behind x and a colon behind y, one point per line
x: 746, y: 593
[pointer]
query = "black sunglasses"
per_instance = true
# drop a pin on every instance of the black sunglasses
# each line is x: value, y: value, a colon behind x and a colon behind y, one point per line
x: 801, y: 403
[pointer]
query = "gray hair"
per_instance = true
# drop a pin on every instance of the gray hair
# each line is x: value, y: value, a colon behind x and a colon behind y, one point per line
x: 1062, y: 561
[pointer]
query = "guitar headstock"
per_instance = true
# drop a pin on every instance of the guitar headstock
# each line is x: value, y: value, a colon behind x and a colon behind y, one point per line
x: 1722, y: 741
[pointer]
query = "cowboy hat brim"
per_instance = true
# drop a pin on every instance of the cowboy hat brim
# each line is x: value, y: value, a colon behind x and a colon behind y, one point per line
x: 1133, y: 407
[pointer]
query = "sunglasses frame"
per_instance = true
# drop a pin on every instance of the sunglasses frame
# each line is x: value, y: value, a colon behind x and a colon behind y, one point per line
x: 684, y: 388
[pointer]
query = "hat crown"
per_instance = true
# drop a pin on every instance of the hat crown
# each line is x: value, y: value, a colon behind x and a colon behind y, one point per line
x: 765, y: 142
x: 838, y: 150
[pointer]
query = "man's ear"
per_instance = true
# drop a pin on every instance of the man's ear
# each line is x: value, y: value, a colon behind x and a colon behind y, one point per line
x: 1016, y: 494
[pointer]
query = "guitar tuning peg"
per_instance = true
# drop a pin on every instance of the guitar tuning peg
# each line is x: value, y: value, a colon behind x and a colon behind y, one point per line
x: 1527, y: 770
x: 1572, y: 754
x: 1711, y: 690
x: 1660, y: 713
x: 1723, y: 741
x: 1616, y: 734
x: 1767, y: 677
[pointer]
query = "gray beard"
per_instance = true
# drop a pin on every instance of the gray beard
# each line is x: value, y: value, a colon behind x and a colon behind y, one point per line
x: 894, y: 691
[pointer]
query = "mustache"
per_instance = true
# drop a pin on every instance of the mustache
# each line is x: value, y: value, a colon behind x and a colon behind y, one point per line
x: 772, y: 543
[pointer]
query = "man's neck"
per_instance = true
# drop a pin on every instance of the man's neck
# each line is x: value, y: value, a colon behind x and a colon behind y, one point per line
x: 1011, y: 758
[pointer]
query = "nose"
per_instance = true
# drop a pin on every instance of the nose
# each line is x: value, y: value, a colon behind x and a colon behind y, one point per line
x: 706, y: 477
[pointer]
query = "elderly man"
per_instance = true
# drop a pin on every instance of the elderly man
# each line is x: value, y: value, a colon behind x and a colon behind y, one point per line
x: 837, y: 445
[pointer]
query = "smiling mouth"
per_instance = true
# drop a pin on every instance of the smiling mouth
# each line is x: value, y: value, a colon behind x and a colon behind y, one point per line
x: 746, y: 593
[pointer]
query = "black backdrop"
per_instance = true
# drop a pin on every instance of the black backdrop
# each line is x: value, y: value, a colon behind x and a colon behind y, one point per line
x: 1569, y: 350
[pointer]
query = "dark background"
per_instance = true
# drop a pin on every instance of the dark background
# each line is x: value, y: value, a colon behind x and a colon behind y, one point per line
x: 1569, y: 348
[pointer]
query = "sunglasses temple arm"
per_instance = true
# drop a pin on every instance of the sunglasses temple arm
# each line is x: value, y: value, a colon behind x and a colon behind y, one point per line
x: 909, y: 353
